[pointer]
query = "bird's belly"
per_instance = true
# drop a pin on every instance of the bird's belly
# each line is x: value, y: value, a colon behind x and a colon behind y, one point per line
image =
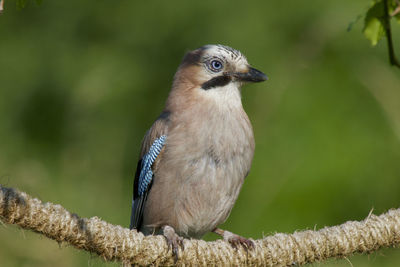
x: 199, y: 197
x: 206, y: 198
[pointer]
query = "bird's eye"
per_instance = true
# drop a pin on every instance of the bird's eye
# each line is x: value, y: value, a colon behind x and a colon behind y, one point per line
x: 216, y: 65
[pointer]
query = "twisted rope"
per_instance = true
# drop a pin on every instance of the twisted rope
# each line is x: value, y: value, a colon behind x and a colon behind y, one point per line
x: 113, y: 242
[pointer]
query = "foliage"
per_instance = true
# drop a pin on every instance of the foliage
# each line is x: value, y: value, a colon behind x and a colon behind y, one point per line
x: 374, y: 24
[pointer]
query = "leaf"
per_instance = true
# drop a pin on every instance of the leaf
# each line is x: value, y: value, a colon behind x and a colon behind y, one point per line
x: 374, y: 28
x: 374, y: 31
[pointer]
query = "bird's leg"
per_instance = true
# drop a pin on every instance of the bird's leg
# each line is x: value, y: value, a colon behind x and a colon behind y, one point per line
x: 234, y: 240
x: 174, y: 241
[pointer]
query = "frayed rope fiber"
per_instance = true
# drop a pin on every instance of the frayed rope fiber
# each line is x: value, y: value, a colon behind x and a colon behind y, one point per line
x: 112, y: 242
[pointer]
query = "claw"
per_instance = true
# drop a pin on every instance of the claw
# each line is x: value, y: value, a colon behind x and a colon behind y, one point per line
x: 236, y: 241
x: 174, y: 241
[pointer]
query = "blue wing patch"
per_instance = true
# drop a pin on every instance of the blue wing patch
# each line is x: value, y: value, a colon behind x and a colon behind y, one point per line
x: 143, y: 179
x: 146, y: 174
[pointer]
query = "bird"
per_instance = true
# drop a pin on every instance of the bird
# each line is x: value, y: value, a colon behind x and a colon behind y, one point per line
x: 197, y: 153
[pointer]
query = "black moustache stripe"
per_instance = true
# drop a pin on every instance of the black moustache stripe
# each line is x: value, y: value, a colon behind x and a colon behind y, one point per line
x: 216, y: 82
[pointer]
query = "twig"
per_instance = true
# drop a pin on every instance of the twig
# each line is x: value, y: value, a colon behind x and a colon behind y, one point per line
x: 396, y: 10
x: 392, y: 57
x: 1, y: 6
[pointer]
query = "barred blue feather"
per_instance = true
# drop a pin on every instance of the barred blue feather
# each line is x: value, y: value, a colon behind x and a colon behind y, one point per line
x: 144, y: 177
x: 146, y: 174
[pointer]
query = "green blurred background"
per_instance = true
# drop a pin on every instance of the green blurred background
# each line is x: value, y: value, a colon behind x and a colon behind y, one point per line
x: 81, y: 81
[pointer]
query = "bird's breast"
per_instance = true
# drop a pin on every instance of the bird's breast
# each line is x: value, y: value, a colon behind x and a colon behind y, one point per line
x: 214, y: 155
x: 207, y: 155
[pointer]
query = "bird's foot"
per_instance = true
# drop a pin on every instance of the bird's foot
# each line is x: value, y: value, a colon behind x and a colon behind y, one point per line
x: 174, y: 241
x: 235, y: 240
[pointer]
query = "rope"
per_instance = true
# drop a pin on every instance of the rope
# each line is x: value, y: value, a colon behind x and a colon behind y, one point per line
x: 112, y: 242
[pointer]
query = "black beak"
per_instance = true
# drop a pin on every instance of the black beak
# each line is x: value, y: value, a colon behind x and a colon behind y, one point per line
x: 253, y: 75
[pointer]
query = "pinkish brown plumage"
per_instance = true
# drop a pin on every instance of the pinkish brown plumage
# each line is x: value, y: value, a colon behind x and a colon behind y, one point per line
x: 208, y: 150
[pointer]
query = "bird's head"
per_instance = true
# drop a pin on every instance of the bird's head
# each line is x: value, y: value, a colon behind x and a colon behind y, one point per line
x: 213, y: 66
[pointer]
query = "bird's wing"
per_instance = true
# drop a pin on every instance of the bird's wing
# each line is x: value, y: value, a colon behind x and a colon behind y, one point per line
x: 152, y: 145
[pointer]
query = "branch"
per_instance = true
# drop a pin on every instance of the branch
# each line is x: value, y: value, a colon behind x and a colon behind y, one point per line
x: 113, y: 242
x: 386, y: 18
x: 396, y: 10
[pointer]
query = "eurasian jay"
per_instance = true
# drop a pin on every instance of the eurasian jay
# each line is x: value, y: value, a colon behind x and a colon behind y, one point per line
x: 196, y: 155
